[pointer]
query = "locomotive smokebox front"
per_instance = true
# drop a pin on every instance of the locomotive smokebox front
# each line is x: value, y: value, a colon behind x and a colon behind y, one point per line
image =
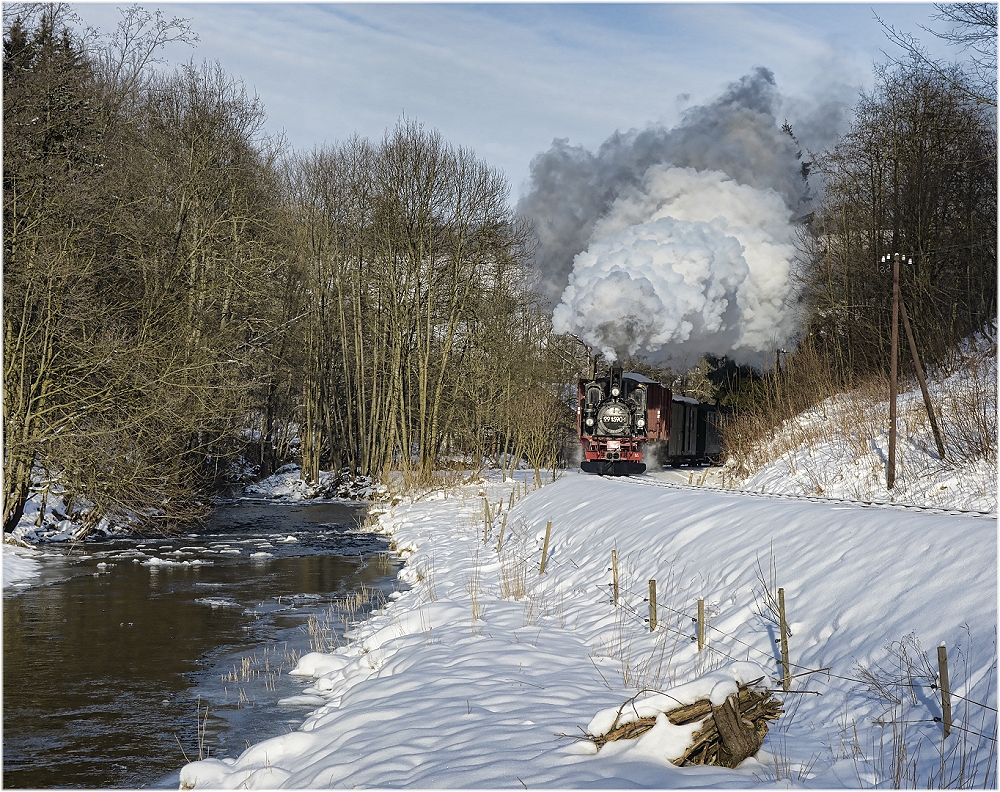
x: 613, y: 419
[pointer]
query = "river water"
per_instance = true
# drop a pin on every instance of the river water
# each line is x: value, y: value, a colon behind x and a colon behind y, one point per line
x: 132, y: 656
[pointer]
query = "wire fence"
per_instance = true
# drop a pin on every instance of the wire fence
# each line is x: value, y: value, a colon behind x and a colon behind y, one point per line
x: 516, y: 545
x: 803, y: 670
x: 522, y: 546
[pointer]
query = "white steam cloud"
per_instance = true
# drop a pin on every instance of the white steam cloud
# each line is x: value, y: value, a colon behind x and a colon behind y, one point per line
x: 690, y: 263
x: 677, y: 241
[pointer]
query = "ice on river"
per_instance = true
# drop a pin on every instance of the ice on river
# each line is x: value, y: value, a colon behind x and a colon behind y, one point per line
x: 486, y: 673
x: 218, y: 602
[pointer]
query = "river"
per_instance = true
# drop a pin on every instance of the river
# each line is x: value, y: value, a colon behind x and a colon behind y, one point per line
x: 131, y: 656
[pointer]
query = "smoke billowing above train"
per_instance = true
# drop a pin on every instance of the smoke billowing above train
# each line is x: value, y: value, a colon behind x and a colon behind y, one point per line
x: 676, y: 242
x: 690, y: 263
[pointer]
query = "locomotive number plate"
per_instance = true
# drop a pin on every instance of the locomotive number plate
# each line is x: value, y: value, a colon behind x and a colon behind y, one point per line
x: 614, y: 445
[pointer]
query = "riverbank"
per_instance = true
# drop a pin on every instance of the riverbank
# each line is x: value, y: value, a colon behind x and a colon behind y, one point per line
x: 487, y: 672
x: 45, y: 519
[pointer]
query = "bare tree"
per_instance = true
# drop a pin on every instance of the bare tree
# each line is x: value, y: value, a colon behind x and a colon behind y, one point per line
x: 124, y: 57
x: 974, y: 32
x: 138, y: 247
x: 178, y: 292
x: 52, y: 184
x: 916, y: 174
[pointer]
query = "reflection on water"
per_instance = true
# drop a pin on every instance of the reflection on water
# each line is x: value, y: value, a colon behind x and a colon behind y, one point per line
x: 106, y: 668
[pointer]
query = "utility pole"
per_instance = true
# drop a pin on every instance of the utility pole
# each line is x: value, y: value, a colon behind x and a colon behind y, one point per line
x: 890, y: 476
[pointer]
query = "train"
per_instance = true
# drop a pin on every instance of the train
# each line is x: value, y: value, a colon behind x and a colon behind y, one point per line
x: 621, y: 413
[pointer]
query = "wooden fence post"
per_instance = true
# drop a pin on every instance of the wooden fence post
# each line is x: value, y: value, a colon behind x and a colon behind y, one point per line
x: 614, y: 573
x: 545, y: 547
x: 503, y: 526
x: 890, y: 476
x: 701, y: 624
x: 945, y: 689
x: 652, y: 605
x: 786, y: 679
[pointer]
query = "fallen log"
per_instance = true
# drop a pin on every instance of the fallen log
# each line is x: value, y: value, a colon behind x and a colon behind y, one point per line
x: 728, y: 733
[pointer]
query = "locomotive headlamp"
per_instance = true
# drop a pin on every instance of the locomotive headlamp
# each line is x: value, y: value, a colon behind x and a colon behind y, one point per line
x: 615, y: 392
x: 640, y: 423
x: 589, y: 422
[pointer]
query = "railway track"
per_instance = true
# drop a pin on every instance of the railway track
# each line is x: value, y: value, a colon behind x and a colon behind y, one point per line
x: 649, y: 481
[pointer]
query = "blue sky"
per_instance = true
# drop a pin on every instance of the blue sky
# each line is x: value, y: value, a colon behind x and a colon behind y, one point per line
x: 506, y: 79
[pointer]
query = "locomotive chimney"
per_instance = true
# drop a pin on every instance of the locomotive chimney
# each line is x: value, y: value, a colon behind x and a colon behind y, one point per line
x: 616, y: 380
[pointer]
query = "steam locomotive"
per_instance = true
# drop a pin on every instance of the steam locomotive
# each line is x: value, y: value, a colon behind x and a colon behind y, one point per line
x: 619, y: 414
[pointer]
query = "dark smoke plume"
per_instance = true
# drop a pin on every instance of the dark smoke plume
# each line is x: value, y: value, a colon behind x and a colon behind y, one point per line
x: 738, y: 134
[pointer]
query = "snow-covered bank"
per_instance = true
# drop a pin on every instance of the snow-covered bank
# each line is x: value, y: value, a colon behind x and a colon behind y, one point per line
x: 485, y: 671
x: 839, y: 448
x: 287, y: 483
x: 20, y: 565
x: 46, y: 517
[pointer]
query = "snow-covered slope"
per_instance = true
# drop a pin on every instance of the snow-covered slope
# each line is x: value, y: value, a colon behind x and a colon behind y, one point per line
x: 839, y: 448
x: 485, y: 672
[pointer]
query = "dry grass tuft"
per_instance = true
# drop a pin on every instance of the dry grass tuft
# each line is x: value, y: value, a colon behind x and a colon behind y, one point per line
x: 514, y: 562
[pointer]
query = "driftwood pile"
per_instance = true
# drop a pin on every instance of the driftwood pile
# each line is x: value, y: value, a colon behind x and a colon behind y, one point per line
x: 729, y: 733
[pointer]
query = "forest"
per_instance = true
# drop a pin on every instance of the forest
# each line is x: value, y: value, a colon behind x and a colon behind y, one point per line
x: 184, y: 295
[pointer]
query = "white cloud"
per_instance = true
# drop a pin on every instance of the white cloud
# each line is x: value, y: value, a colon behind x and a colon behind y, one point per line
x: 506, y: 79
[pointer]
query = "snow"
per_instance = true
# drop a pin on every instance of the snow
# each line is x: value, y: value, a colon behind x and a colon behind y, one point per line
x: 481, y: 672
x: 158, y: 562
x: 217, y: 602
x: 485, y: 673
x: 715, y: 686
x: 287, y: 484
x: 319, y: 664
x: 45, y: 517
x: 20, y: 565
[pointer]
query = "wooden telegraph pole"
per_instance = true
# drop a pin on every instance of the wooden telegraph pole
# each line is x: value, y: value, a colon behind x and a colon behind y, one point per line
x: 890, y: 475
